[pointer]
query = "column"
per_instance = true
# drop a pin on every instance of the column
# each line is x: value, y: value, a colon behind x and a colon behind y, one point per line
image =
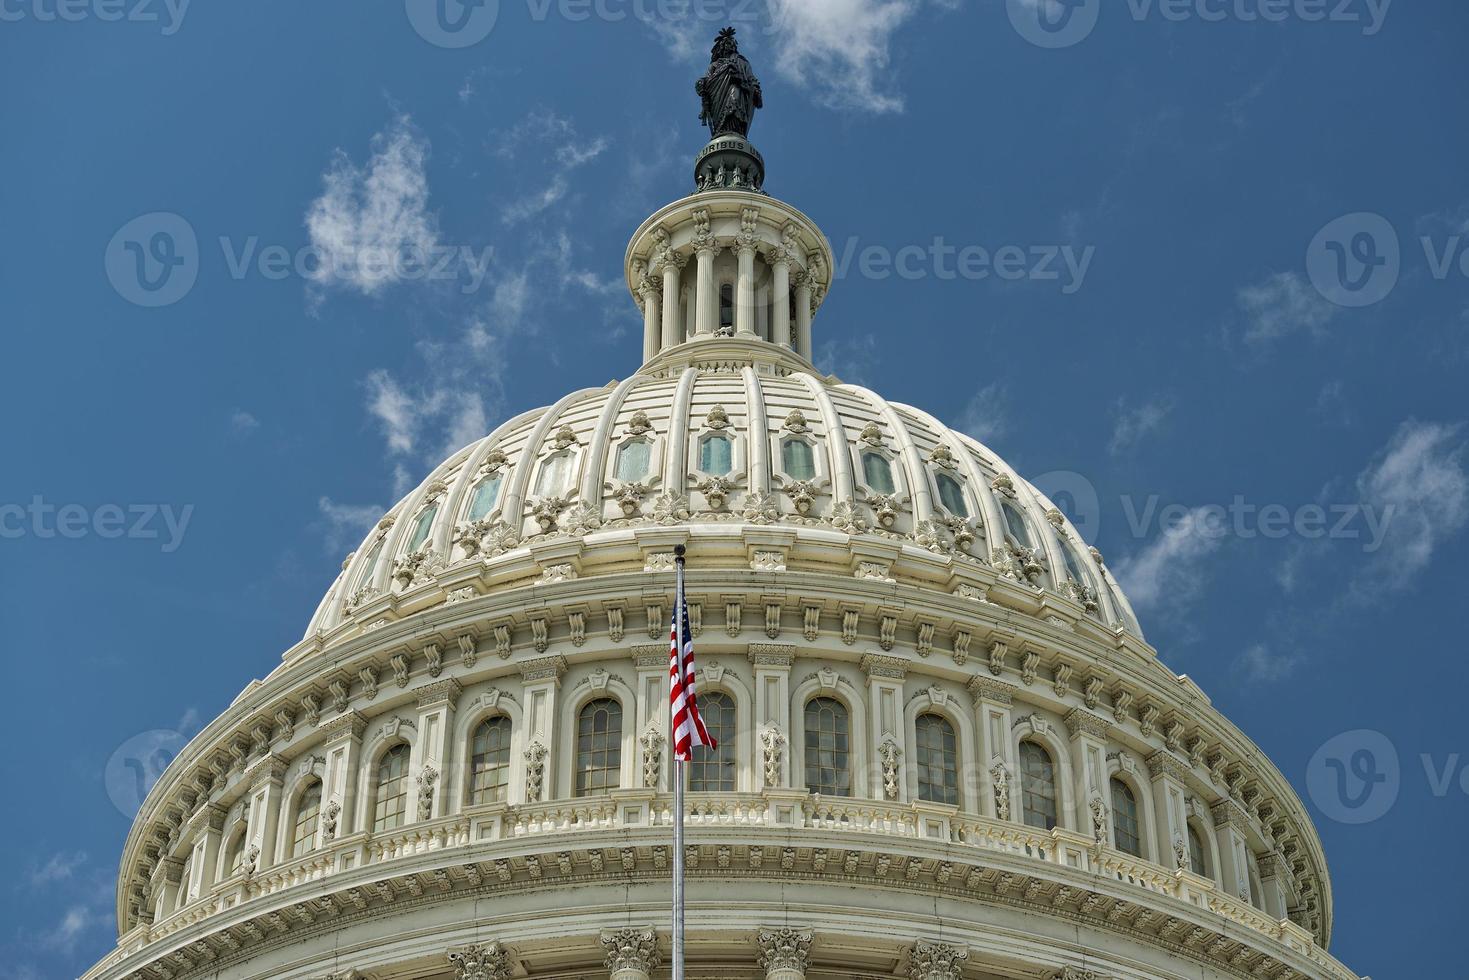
x: 1169, y: 815
x: 1089, y: 773
x: 207, y: 829
x: 1230, y: 823
x: 1273, y: 876
x: 706, y: 297
x: 803, y: 314
x: 632, y: 954
x: 745, y: 287
x: 885, y: 725
x: 772, y: 663
x: 672, y: 320
x: 784, y: 953
x: 166, y: 881
x: 542, y: 678
x: 936, y: 961
x: 343, y: 748
x: 780, y: 329
x: 992, y: 707
x: 652, y: 297
x: 266, y: 778
x: 481, y: 961
x: 433, y: 754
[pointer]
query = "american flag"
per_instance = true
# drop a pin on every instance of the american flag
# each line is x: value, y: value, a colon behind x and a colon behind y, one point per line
x: 688, y: 727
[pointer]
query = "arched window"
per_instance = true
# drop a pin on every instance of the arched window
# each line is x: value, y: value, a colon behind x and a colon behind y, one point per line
x: 599, y: 747
x: 726, y: 306
x: 1125, y: 830
x: 553, y: 476
x: 185, y: 876
x: 489, y: 761
x: 878, y: 472
x: 938, y: 760
x: 797, y: 459
x: 1196, y: 862
x: 713, y: 770
x: 828, y: 747
x: 951, y: 495
x: 1015, y: 522
x: 1037, y: 786
x: 421, y: 527
x: 485, y: 495
x: 370, y: 565
x: 1073, y: 566
x: 234, y: 855
x: 716, y: 456
x: 632, y: 461
x: 392, y: 789
x: 308, y: 811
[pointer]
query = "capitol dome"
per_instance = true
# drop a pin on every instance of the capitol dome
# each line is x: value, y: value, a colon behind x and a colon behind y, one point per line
x: 946, y: 750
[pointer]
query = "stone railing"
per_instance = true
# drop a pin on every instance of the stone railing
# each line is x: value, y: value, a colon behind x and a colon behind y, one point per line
x: 783, y: 810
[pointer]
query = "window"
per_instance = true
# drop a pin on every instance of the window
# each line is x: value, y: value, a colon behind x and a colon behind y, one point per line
x: 1196, y: 853
x: 235, y: 855
x: 938, y: 760
x: 1125, y: 833
x: 797, y: 459
x: 365, y: 578
x: 1015, y: 521
x: 828, y: 748
x: 421, y: 527
x: 715, y: 456
x: 489, y: 763
x: 392, y: 789
x: 308, y: 810
x: 951, y: 495
x: 484, y: 497
x: 632, y: 461
x: 878, y: 472
x: 552, y: 479
x: 713, y: 770
x: 726, y: 306
x: 599, y: 747
x: 1037, y: 786
x: 185, y: 877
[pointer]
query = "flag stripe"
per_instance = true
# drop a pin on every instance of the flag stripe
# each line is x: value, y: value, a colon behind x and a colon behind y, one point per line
x: 688, y: 727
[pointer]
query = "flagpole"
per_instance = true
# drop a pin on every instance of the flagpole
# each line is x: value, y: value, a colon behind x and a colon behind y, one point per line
x: 678, y: 599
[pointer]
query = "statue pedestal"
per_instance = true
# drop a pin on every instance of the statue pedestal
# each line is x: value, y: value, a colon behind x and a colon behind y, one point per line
x: 729, y: 161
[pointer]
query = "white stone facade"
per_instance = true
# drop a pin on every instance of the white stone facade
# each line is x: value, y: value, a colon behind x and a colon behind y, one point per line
x: 461, y: 771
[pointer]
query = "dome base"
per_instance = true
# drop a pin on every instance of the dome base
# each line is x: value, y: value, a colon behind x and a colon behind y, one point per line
x: 729, y: 161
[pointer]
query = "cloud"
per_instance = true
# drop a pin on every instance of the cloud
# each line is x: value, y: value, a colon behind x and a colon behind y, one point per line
x: 838, y: 50
x: 1131, y: 425
x: 563, y: 150
x: 987, y: 416
x: 849, y: 358
x: 242, y: 423
x: 1171, y: 567
x: 60, y: 867
x: 1260, y: 664
x: 74, y: 922
x: 1418, y: 485
x: 367, y: 216
x: 1283, y: 304
x: 345, y: 525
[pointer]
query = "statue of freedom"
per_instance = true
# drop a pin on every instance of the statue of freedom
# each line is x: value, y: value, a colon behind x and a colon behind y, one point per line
x: 730, y: 92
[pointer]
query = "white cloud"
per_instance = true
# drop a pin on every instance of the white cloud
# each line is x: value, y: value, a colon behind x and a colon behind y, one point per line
x: 1282, y: 304
x: 242, y: 423
x: 1170, y: 568
x: 849, y: 358
x: 1132, y: 425
x: 839, y: 49
x: 369, y: 215
x: 74, y: 922
x: 398, y: 413
x: 987, y: 416
x: 345, y: 525
x: 1259, y: 663
x: 1419, y: 486
x: 565, y: 151
x: 60, y: 867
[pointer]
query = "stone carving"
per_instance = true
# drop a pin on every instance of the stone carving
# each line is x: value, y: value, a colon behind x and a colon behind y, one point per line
x: 631, y: 951
x: 1099, y: 819
x: 1085, y: 595
x: 795, y: 421
x: 716, y: 491
x: 768, y: 561
x: 889, y: 754
x: 652, y: 741
x: 485, y: 537
x: 582, y: 519
x: 803, y: 493
x: 670, y: 508
x: 942, y: 456
x: 760, y: 508
x: 936, y: 961
x: 417, y: 567
x: 488, y: 961
x: 717, y: 418
x: 886, y: 506
x: 1001, y: 777
x: 784, y: 949
x: 772, y: 742
x: 252, y: 860
x: 871, y: 434
x: 547, y: 511
x: 1018, y: 563
x: 1002, y: 484
x: 630, y: 496
x: 845, y: 516
x: 329, y: 821
x: 535, y: 771
x: 564, y: 437
x: 639, y: 423
x: 426, y: 779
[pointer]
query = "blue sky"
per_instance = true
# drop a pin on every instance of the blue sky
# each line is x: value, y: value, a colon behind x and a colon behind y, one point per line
x: 1266, y: 313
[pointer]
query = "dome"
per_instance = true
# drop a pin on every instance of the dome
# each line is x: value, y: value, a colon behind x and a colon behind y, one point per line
x: 945, y: 749
x: 733, y: 441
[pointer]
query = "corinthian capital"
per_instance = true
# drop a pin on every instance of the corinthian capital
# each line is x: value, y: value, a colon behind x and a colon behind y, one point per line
x: 784, y: 953
x: 481, y: 961
x: 631, y: 952
x: 936, y: 961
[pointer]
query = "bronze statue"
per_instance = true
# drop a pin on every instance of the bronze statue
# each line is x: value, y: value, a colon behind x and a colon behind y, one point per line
x: 730, y: 92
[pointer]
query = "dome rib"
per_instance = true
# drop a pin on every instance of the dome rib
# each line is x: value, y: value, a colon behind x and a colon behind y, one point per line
x: 758, y: 436
x: 838, y: 446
